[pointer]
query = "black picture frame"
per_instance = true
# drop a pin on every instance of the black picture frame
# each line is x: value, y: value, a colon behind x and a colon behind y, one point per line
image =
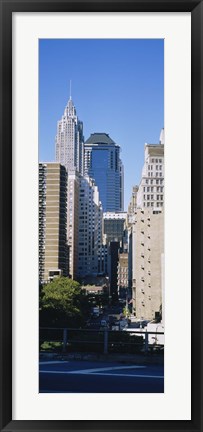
x: 7, y: 7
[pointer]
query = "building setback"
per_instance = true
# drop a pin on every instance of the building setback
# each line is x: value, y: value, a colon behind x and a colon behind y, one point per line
x: 102, y: 163
x: 69, y: 140
x: 53, y: 252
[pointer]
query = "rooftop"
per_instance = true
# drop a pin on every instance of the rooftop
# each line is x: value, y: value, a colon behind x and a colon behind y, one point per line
x: 99, y: 138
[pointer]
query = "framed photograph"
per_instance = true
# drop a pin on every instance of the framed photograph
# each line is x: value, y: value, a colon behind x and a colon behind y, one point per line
x: 101, y: 291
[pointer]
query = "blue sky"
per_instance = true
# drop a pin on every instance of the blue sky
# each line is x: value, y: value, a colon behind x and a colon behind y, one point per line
x: 117, y: 88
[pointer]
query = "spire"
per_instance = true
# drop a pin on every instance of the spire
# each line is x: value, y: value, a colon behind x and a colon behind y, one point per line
x: 162, y: 137
x: 70, y: 90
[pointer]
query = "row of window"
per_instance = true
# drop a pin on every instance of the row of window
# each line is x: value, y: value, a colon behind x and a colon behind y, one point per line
x: 156, y: 160
x: 152, y: 197
x: 158, y: 167
x: 155, y: 181
x: 148, y: 189
x: 148, y: 204
x: 151, y: 174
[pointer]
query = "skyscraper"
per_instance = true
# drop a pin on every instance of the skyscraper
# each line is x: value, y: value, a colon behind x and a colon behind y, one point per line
x: 148, y: 262
x: 102, y: 163
x: 151, y: 188
x: 69, y: 140
x: 53, y: 255
x: 73, y: 221
x: 147, y: 228
x: 90, y: 228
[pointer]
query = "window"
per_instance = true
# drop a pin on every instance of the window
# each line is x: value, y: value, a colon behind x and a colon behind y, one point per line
x: 152, y: 189
x: 148, y: 189
x: 157, y: 167
x: 152, y: 197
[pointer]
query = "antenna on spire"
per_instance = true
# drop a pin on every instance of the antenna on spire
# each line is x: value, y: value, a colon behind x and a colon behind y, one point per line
x: 70, y: 89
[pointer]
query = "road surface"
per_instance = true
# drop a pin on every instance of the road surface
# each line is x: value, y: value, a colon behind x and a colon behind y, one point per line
x: 99, y: 377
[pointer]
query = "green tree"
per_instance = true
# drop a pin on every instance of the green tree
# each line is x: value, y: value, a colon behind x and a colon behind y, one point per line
x: 63, y: 304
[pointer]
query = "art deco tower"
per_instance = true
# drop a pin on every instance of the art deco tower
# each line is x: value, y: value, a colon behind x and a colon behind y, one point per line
x: 69, y: 139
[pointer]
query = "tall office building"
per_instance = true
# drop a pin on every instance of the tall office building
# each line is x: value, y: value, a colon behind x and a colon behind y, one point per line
x: 102, y: 163
x: 53, y: 253
x: 151, y: 188
x: 148, y: 262
x: 147, y: 229
x: 90, y: 228
x: 73, y: 190
x: 69, y: 140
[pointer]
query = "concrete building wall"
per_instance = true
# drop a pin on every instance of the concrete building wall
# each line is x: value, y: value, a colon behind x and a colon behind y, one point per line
x: 148, y: 249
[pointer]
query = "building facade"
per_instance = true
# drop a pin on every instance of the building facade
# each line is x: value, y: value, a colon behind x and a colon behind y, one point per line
x: 90, y: 228
x: 102, y: 163
x: 148, y: 263
x: 69, y: 140
x: 73, y: 190
x: 114, y: 226
x: 53, y: 251
x: 151, y: 188
x: 123, y: 277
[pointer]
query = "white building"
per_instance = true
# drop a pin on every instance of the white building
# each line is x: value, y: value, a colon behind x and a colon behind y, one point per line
x: 90, y: 228
x: 151, y: 188
x: 69, y: 140
x: 146, y: 224
x: 73, y: 189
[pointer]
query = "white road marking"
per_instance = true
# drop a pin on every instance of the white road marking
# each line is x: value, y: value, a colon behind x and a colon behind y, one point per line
x: 100, y: 373
x: 53, y: 362
x: 87, y: 371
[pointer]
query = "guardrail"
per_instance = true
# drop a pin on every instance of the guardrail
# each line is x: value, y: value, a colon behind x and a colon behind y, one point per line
x: 100, y: 341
